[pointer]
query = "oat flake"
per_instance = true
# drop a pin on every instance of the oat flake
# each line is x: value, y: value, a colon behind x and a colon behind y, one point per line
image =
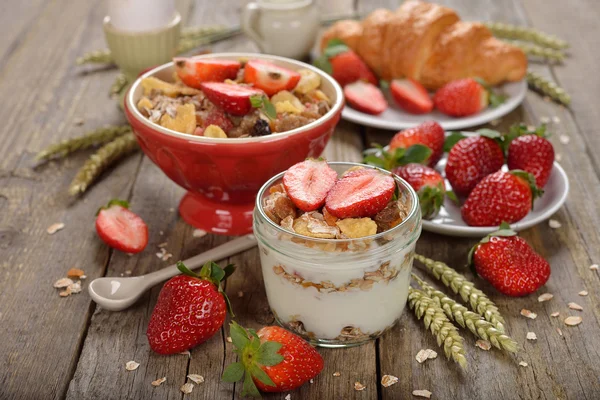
x: 422, y: 393
x: 545, y: 297
x: 573, y: 321
x: 163, y: 244
x: 556, y: 120
x: 131, y: 365
x: 186, y: 353
x: 558, y: 157
x: 288, y: 397
x: 359, y: 386
x: 594, y: 267
x: 583, y: 293
x: 554, y: 224
x: 187, y: 388
x: 424, y: 355
x: 159, y: 381
x: 523, y: 364
x: 388, y: 380
x: 66, y: 292
x: 63, y: 283
x: 311, y: 381
x: 75, y: 287
x: 528, y: 314
x: 52, y: 229
x: 198, y: 233
x: 531, y: 336
x: 555, y: 314
x: 564, y: 139
x: 483, y: 344
x: 559, y: 331
x: 196, y: 378
x: 544, y: 120
x: 240, y: 294
x: 575, y: 306
x: 336, y: 374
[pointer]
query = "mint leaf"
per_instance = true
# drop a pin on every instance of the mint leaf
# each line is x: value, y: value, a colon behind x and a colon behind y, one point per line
x: 233, y: 373
x: 263, y: 103
x: 267, y: 354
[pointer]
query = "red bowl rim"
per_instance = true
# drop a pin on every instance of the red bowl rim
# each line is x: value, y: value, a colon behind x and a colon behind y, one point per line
x: 335, y: 109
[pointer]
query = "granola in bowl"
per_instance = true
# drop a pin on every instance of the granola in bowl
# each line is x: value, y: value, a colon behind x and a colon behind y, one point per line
x: 223, y: 98
x: 337, y: 243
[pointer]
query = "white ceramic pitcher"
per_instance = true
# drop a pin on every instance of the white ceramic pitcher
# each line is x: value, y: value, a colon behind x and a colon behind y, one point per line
x: 285, y: 28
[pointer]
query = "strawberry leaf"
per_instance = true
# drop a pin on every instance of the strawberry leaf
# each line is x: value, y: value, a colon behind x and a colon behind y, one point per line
x: 261, y: 375
x: 452, y: 139
x: 496, y: 99
x: 233, y: 373
x: 114, y: 202
x: 229, y: 269
x: 334, y: 50
x: 530, y: 179
x: 267, y: 354
x: 489, y: 133
x: 249, y: 388
x: 384, y: 85
x: 239, y: 336
x: 335, y: 42
x: 374, y: 160
x: 185, y: 270
x: 323, y: 64
x: 417, y: 153
x: 452, y: 196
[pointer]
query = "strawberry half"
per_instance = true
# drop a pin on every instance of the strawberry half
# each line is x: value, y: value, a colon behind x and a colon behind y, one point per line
x: 430, y: 134
x: 347, y: 67
x: 308, y: 183
x: 190, y: 309
x: 428, y: 184
x: 461, y: 98
x: 269, y: 77
x: 121, y: 228
x: 365, y: 97
x: 531, y: 152
x: 193, y: 71
x: 360, y: 193
x: 411, y: 96
x: 509, y: 264
x: 234, y: 99
x: 273, y: 360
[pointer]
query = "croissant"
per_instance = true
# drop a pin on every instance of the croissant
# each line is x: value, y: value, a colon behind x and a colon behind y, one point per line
x: 428, y: 42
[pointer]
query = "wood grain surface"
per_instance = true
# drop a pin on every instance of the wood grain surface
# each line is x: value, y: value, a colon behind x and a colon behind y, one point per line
x: 57, y: 348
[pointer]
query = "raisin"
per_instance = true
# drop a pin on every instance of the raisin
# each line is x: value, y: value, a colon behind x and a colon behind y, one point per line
x: 260, y: 128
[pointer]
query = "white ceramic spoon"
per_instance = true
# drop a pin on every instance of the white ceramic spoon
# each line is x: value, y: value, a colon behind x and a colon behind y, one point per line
x: 118, y: 293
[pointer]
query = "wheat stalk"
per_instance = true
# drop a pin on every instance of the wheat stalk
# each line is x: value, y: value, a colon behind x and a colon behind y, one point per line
x: 548, y: 88
x: 506, y: 31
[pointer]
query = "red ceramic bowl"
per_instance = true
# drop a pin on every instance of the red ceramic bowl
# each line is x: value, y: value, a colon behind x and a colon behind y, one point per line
x: 223, y: 176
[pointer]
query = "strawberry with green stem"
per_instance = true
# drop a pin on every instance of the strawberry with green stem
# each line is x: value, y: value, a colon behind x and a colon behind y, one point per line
x: 529, y: 150
x: 464, y: 97
x: 428, y: 184
x: 344, y: 65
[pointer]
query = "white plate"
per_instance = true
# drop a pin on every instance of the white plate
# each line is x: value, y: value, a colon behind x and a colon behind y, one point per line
x: 449, y: 221
x: 395, y: 119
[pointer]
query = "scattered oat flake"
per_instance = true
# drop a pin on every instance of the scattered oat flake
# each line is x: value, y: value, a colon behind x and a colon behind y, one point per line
x: 575, y: 306
x: 198, y: 379
x: 163, y: 244
x: 556, y: 120
x: 359, y: 386
x: 336, y: 374
x: 558, y: 157
x: 564, y: 139
x: 187, y: 388
x: 75, y: 273
x: 240, y: 294
x: 554, y: 224
x: 424, y: 355
x: 495, y: 122
x: 559, y: 331
x: 555, y: 314
x: 228, y: 338
x: 128, y: 272
x: 75, y: 287
x: 545, y: 297
x: 63, y: 283
x: 66, y: 292
x: 483, y: 344
x: 288, y: 397
x: 583, y: 293
x: 526, y: 313
x: 422, y: 393
x: 52, y: 229
x: 198, y: 233
x: 531, y: 336
x: 544, y: 120
x: 78, y: 121
x: 82, y: 277
x: 523, y: 364
x: 388, y: 380
x: 131, y: 365
x: 159, y: 381
x: 311, y: 381
x: 171, y: 209
x: 573, y: 320
x: 186, y: 353
x: 594, y: 267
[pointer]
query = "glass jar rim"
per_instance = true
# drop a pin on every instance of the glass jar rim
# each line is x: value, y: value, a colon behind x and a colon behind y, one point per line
x: 413, y: 211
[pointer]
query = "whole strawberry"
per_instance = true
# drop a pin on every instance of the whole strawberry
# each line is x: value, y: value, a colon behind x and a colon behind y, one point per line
x: 430, y: 134
x: 470, y: 160
x: 273, y: 359
x: 501, y: 196
x: 190, y: 309
x: 509, y: 263
x: 534, y: 154
x: 428, y: 184
x: 461, y: 98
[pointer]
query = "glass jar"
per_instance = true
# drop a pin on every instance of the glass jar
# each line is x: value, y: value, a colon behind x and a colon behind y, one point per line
x: 337, y: 292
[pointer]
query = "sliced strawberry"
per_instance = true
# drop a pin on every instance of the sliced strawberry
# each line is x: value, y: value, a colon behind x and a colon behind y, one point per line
x: 234, y: 99
x: 307, y: 183
x: 461, y: 98
x: 269, y: 77
x: 365, y: 97
x: 193, y: 71
x: 360, y: 193
x: 347, y: 67
x: 217, y: 117
x: 411, y: 96
x: 120, y: 228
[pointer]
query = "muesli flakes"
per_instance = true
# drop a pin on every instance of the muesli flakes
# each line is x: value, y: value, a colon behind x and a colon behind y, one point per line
x: 131, y: 365
x: 187, y: 388
x: 388, y: 380
x: 583, y: 293
x: 424, y: 355
x: 359, y: 386
x: 52, y: 229
x: 545, y: 297
x: 575, y: 306
x: 197, y: 379
x: 483, y: 344
x: 63, y: 283
x: 526, y: 313
x: 531, y: 336
x: 159, y: 381
x: 573, y: 320
x: 422, y: 393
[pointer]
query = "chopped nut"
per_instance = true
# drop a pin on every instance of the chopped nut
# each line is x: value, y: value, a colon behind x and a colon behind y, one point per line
x: 357, y: 227
x: 198, y: 233
x: 52, y: 229
x: 63, y: 283
x: 483, y: 344
x: 196, y: 378
x: 583, y: 293
x: 359, y: 386
x: 187, y: 388
x: 422, y: 393
x: 75, y: 273
x: 573, y: 321
x: 545, y: 297
x: 531, y: 336
x: 131, y: 365
x: 528, y: 314
x: 554, y: 224
x: 424, y: 355
x: 555, y: 314
x: 575, y: 306
x: 388, y: 380
x: 523, y: 364
x: 159, y: 381
x: 336, y: 374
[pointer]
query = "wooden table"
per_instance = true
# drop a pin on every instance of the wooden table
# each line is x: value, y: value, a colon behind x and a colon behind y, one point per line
x: 55, y: 348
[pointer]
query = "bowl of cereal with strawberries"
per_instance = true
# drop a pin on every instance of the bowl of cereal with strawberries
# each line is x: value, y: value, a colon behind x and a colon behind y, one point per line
x: 336, y: 245
x: 220, y: 125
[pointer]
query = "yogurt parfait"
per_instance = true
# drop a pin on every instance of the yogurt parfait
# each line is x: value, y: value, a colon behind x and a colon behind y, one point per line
x: 336, y: 245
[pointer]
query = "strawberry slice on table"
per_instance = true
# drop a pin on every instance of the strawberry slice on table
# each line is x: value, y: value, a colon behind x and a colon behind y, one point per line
x: 360, y: 193
x: 269, y: 77
x: 461, y: 98
x: 272, y: 360
x: 308, y: 183
x: 190, y: 309
x: 234, y: 99
x: 531, y: 152
x: 193, y: 71
x: 509, y: 263
x: 430, y: 134
x: 411, y: 96
x: 428, y: 184
x: 500, y: 197
x: 121, y: 228
x: 365, y: 97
